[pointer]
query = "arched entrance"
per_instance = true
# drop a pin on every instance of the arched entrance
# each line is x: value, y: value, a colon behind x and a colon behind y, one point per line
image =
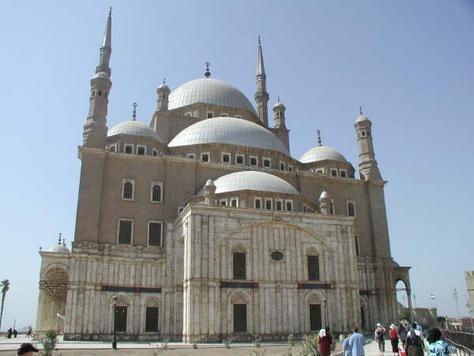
x: 403, y: 300
x: 53, y: 294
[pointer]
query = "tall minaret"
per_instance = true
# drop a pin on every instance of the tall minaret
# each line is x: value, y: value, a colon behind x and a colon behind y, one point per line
x: 280, y: 126
x: 95, y: 129
x: 367, y: 164
x: 261, y: 95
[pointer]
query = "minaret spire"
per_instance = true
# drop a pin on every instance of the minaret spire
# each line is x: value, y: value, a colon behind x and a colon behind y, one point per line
x: 106, y: 49
x: 319, y: 137
x: 261, y: 95
x: 95, y: 129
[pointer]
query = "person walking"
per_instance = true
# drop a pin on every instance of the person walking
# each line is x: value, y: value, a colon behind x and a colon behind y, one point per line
x: 356, y: 343
x: 379, y: 337
x: 345, y: 345
x: 325, y: 342
x: 414, y: 345
x: 393, y: 335
x: 436, y: 346
x: 9, y: 333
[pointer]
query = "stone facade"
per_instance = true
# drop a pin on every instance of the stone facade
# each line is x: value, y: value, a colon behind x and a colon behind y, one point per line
x: 316, y: 248
x: 470, y: 289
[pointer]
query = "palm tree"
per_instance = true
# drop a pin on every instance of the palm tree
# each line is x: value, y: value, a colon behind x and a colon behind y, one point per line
x: 5, y: 284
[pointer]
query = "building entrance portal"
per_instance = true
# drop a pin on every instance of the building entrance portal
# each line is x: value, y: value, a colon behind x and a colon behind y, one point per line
x: 315, y: 321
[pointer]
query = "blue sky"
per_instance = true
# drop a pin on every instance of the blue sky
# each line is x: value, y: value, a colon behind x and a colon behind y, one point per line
x: 408, y: 63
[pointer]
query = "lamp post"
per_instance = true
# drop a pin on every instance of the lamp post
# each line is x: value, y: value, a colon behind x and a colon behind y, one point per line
x: 455, y: 296
x: 114, y: 337
x: 325, y: 304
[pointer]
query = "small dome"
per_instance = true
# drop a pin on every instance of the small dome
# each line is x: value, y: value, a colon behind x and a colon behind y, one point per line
x: 228, y: 130
x: 59, y: 248
x: 164, y: 88
x: 324, y: 195
x: 133, y: 128
x: 208, y: 91
x: 101, y: 75
x: 361, y: 118
x: 321, y: 153
x: 279, y: 105
x: 252, y: 180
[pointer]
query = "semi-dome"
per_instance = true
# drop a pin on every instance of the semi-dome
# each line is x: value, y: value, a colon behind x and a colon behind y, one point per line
x: 228, y: 130
x: 208, y: 91
x: 321, y: 153
x: 133, y: 128
x: 252, y: 180
x: 59, y: 248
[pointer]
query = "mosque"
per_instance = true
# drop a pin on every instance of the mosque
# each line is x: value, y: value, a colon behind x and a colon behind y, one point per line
x: 201, y: 224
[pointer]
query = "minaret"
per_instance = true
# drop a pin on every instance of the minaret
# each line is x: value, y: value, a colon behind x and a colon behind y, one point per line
x: 367, y: 164
x: 261, y: 95
x: 280, y: 126
x: 163, y: 93
x: 95, y: 129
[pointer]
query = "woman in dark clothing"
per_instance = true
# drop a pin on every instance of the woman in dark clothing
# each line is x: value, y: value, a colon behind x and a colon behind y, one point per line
x: 325, y: 341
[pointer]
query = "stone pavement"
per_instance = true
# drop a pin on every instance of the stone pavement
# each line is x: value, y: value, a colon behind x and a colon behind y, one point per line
x: 86, y: 348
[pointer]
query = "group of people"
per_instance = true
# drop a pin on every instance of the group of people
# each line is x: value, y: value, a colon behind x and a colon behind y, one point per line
x: 412, y: 340
x: 10, y: 332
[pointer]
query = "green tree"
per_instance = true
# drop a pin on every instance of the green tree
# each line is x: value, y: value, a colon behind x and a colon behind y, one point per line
x: 5, y: 284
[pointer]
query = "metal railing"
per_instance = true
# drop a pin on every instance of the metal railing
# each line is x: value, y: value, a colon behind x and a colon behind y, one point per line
x: 463, y: 341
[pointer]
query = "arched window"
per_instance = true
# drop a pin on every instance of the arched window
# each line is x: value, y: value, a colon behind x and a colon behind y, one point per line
x: 156, y: 192
x: 127, y: 191
x: 350, y: 209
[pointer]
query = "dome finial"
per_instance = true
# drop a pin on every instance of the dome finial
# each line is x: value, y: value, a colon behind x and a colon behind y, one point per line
x: 319, y: 137
x: 360, y: 110
x: 207, y: 73
x: 59, y: 239
x: 134, y: 112
x: 64, y: 242
x: 164, y: 81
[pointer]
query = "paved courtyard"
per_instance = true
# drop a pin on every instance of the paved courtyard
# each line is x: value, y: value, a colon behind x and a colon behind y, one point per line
x: 72, y: 348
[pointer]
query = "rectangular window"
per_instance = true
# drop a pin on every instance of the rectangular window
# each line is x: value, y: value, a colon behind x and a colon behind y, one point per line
x: 151, y: 319
x: 267, y: 162
x: 155, y: 233
x: 238, y: 116
x: 289, y: 205
x: 320, y: 171
x: 205, y: 157
x: 282, y: 166
x: 125, y: 232
x: 141, y: 150
x: 223, y: 202
x: 315, y: 321
x: 278, y: 204
x: 351, y: 210
x: 268, y: 204
x: 334, y: 172
x: 240, y: 317
x: 253, y: 161
x: 120, y: 319
x: 356, y: 241
x: 238, y: 265
x: 128, y: 148
x: 224, y: 114
x: 210, y: 114
x: 113, y: 148
x: 239, y: 159
x: 258, y: 203
x: 343, y: 173
x: 234, y: 202
x: 190, y: 155
x: 313, y: 268
x: 225, y: 157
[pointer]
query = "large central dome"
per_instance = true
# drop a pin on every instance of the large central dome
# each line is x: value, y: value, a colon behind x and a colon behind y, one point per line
x: 208, y: 91
x: 231, y: 131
